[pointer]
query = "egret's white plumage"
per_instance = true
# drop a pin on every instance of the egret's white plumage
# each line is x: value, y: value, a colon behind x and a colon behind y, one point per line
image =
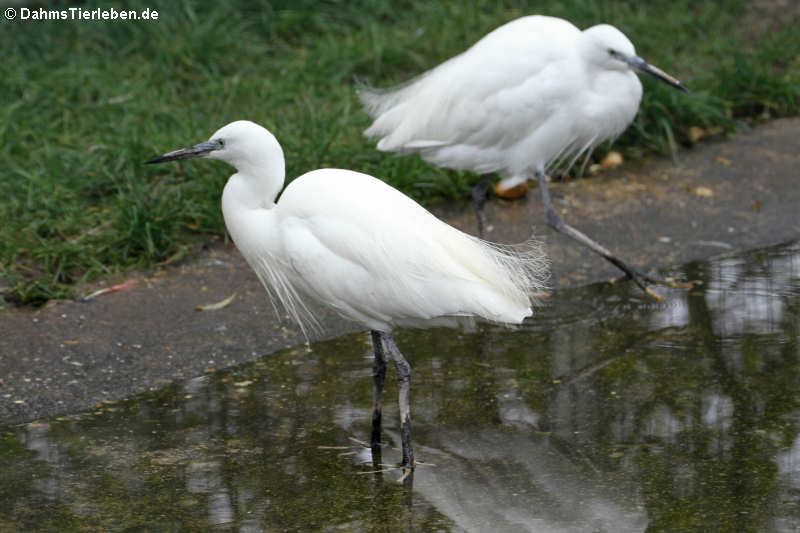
x: 532, y: 93
x: 359, y: 246
x: 351, y: 242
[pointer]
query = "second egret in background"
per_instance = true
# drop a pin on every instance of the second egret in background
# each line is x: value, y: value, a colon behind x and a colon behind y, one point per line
x: 532, y: 95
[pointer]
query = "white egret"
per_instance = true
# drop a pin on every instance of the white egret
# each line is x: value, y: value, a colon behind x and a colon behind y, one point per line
x: 351, y: 242
x: 532, y: 95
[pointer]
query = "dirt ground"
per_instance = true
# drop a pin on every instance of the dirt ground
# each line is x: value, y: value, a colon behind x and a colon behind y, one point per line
x: 735, y: 193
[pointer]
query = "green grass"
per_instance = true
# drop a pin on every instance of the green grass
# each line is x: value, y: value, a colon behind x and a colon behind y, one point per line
x: 83, y: 104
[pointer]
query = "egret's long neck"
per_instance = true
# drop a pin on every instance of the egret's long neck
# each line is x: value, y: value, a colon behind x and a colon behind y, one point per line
x: 258, y: 180
x: 248, y: 200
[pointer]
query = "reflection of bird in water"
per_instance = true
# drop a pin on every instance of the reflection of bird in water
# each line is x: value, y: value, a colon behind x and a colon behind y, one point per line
x: 489, y: 480
x: 532, y: 95
x: 355, y: 244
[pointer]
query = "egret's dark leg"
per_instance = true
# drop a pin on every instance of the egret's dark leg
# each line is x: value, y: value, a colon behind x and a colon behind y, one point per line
x: 403, y: 392
x: 379, y: 377
x: 555, y: 222
x: 480, y: 193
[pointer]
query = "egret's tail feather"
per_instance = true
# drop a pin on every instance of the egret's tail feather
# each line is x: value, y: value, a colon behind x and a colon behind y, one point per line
x: 370, y: 97
x: 526, y: 265
x: 378, y: 101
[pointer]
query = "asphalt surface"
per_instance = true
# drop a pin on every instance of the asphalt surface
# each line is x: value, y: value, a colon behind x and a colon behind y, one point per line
x: 736, y: 193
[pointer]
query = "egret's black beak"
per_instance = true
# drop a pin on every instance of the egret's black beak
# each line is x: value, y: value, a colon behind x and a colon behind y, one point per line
x: 198, y: 150
x: 640, y: 65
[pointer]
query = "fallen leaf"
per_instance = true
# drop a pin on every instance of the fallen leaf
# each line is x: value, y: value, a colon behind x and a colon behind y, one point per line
x: 703, y: 192
x: 218, y: 305
x: 174, y: 258
x: 116, y: 288
x: 723, y: 161
x: 244, y: 383
x: 695, y: 133
x: 757, y: 206
x: 512, y: 193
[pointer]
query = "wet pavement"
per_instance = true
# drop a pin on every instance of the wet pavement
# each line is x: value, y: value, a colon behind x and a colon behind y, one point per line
x: 71, y: 355
x: 606, y: 412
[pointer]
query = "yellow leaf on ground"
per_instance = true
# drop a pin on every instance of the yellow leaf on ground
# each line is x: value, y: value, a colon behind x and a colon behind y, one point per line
x: 218, y: 305
x: 611, y: 160
x: 703, y: 192
x: 512, y: 193
x: 695, y: 133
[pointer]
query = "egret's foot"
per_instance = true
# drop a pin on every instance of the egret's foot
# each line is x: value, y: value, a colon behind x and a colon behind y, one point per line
x: 643, y: 280
x: 406, y: 471
x: 357, y: 448
x: 408, y: 466
x: 672, y: 283
x: 407, y: 462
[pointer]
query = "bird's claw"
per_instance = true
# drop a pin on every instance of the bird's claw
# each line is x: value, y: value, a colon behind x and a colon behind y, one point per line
x: 672, y: 283
x: 654, y: 294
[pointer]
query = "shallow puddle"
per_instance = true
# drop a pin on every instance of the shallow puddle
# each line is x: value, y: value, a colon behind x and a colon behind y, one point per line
x: 607, y: 412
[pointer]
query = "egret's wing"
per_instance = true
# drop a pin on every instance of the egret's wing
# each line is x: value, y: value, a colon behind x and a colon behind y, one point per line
x: 377, y: 256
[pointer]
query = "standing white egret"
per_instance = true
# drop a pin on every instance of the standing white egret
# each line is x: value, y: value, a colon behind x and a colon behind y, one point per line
x: 534, y: 94
x: 351, y: 242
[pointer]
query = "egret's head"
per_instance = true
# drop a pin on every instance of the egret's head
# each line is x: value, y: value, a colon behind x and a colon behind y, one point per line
x: 237, y: 143
x: 609, y: 48
x: 608, y: 45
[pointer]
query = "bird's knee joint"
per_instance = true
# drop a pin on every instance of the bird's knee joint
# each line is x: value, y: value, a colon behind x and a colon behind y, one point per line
x: 403, y: 371
x: 553, y: 220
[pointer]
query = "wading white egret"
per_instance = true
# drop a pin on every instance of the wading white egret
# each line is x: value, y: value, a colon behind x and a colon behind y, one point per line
x: 351, y: 242
x: 532, y: 95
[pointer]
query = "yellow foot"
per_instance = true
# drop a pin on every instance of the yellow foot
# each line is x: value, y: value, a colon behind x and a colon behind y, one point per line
x: 654, y: 294
x: 359, y: 446
x: 642, y: 281
x: 393, y: 468
x: 670, y: 282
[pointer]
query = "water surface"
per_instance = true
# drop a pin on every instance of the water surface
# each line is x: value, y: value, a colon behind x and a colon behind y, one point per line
x: 607, y: 412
